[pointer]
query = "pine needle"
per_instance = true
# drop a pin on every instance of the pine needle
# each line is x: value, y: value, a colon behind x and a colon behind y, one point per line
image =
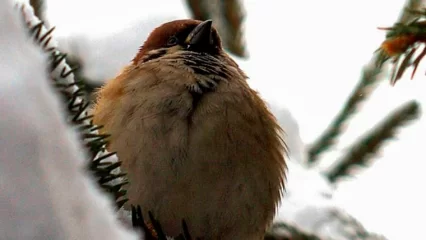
x: 361, y: 92
x: 103, y: 164
x: 406, y: 15
x: 89, y: 86
x: 361, y: 151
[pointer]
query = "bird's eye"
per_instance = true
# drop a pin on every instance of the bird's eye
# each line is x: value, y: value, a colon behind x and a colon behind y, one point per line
x: 172, y: 41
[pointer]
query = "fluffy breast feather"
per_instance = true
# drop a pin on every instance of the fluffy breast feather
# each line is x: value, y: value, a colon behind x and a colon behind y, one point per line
x: 173, y: 151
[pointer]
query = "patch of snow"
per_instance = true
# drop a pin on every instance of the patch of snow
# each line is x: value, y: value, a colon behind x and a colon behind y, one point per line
x: 45, y: 191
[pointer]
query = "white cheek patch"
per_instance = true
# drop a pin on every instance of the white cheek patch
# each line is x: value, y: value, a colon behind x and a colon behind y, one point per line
x: 174, y: 49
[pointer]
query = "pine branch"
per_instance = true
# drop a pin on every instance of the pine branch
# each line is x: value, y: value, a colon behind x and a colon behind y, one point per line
x: 401, y: 44
x: 350, y: 228
x: 103, y: 164
x: 228, y: 18
x: 362, y: 150
x: 89, y: 86
x: 354, y: 229
x: 361, y: 92
x: 405, y: 15
x: 402, y: 40
x: 284, y: 231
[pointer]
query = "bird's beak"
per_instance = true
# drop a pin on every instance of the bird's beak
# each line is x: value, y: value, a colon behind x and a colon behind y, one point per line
x: 201, y: 35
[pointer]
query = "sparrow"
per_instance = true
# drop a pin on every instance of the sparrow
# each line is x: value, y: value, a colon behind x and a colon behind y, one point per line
x: 197, y: 143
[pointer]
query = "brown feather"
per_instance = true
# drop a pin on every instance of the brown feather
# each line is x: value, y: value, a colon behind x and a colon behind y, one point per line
x: 219, y: 164
x: 159, y: 36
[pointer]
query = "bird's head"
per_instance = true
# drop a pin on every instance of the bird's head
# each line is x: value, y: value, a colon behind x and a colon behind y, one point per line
x: 180, y: 35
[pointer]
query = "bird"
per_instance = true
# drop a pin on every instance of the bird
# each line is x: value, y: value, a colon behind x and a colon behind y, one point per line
x: 196, y: 141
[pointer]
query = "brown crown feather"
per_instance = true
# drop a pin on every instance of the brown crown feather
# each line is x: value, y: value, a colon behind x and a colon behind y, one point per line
x: 160, y: 35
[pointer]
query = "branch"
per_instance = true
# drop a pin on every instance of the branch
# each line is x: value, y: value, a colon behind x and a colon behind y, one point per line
x: 89, y: 86
x: 403, y: 40
x: 362, y: 150
x: 405, y: 15
x: 361, y: 92
x: 103, y: 164
x: 284, y: 231
x: 350, y: 228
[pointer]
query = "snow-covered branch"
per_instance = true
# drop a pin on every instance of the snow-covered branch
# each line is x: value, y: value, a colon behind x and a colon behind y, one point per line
x: 45, y: 192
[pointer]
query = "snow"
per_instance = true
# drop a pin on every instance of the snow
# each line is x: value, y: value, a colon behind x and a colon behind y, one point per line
x: 45, y: 191
x: 305, y: 58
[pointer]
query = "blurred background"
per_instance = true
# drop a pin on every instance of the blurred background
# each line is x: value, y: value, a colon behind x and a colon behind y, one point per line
x: 305, y: 58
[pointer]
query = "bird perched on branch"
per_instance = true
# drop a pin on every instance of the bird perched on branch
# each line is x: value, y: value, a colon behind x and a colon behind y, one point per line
x: 196, y: 141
